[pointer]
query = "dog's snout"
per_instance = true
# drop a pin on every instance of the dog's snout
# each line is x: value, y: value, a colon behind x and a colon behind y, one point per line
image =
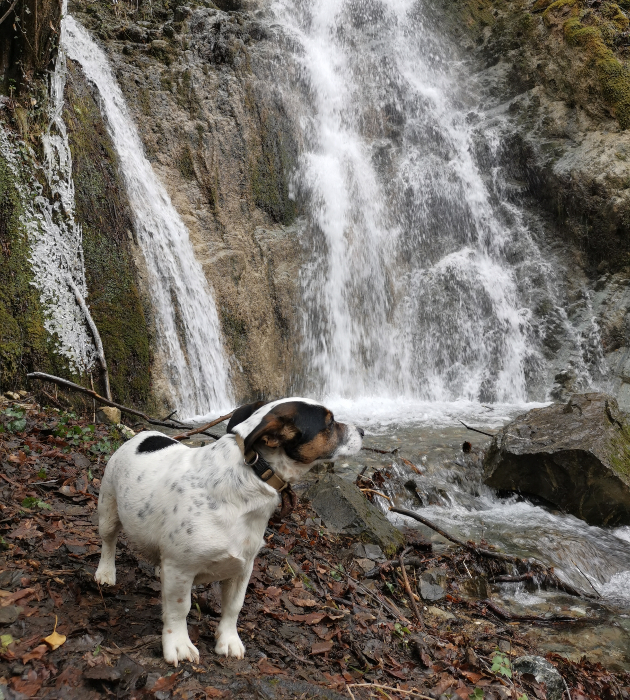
x: 361, y: 432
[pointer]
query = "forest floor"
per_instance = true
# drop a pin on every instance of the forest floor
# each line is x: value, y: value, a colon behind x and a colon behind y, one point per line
x: 316, y: 623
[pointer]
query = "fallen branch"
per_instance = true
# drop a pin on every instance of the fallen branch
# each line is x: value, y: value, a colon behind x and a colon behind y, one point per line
x: 196, y: 431
x: 537, y: 571
x: 8, y: 12
x: 378, y: 493
x: 414, y: 605
x: 475, y: 430
x: 98, y: 344
x: 42, y: 376
x: 375, y: 572
x: 451, y: 538
x: 514, y: 617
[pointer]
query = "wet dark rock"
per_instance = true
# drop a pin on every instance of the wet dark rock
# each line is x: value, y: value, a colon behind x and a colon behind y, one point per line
x: 575, y: 456
x: 9, y: 614
x: 476, y: 587
x: 432, y: 585
x: 544, y: 672
x: 344, y: 509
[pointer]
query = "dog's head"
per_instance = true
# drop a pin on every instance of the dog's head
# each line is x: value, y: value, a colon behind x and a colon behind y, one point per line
x: 294, y: 434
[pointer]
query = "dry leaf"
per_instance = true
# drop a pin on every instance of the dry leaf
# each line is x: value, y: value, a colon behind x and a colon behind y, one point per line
x: 36, y: 654
x: 54, y: 640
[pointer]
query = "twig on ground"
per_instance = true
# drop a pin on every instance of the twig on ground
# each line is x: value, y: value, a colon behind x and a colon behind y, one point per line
x: 295, y: 656
x: 373, y: 573
x: 475, y: 430
x: 414, y: 605
x: 378, y: 493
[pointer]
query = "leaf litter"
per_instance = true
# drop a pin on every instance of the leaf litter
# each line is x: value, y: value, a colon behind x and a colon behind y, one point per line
x: 314, y: 625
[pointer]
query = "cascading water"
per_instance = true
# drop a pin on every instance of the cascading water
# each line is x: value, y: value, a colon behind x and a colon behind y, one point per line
x: 188, y: 333
x: 421, y: 279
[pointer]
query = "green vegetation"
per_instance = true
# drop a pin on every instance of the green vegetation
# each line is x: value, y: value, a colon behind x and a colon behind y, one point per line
x: 24, y: 343
x: 103, y: 211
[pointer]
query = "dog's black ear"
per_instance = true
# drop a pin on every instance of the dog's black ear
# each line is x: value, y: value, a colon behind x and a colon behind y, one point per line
x: 275, y: 428
x: 243, y: 413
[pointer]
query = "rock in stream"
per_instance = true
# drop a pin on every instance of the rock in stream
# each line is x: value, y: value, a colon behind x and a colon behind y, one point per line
x: 576, y: 456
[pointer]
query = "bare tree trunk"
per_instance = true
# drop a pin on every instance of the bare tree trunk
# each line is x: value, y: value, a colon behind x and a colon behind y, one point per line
x: 95, y: 334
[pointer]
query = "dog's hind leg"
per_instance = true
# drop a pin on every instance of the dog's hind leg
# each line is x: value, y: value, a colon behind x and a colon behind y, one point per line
x: 232, y: 597
x: 176, y: 586
x: 108, y: 527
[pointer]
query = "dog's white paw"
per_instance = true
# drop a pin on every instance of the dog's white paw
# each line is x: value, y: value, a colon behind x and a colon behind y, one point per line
x: 229, y: 644
x: 106, y: 575
x: 178, y: 647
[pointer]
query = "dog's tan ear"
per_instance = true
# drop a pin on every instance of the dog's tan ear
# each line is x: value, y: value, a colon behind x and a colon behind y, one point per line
x: 273, y: 430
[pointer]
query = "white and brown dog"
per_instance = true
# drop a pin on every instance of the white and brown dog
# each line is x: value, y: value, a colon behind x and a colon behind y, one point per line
x: 201, y: 513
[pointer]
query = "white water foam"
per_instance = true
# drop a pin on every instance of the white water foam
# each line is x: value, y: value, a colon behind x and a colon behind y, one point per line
x: 188, y: 334
x: 422, y: 279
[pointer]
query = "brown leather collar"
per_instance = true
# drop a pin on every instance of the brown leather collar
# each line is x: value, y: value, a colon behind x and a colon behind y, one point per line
x: 260, y: 465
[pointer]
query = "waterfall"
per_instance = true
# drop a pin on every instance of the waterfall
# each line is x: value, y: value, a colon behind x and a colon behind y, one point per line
x: 188, y: 336
x: 422, y: 276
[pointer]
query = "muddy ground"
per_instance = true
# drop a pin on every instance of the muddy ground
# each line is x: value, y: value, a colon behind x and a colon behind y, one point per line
x: 320, y: 620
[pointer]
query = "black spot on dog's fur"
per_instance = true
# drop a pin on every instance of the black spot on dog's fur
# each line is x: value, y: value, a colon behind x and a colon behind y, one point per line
x: 155, y: 442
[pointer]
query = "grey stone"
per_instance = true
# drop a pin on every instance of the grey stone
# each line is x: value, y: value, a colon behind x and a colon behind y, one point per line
x: 344, y: 509
x: 575, y: 456
x: 476, y: 587
x: 374, y: 552
x: 358, y: 550
x: 432, y: 585
x: 544, y: 672
x: 108, y: 414
x: 9, y: 614
x: 440, y: 614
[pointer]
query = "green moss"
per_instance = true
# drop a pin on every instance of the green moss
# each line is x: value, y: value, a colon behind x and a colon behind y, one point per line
x: 271, y: 171
x: 103, y: 212
x: 234, y: 330
x: 24, y: 344
x: 185, y: 163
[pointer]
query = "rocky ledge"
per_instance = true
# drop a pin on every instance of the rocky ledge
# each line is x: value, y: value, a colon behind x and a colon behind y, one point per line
x: 576, y: 456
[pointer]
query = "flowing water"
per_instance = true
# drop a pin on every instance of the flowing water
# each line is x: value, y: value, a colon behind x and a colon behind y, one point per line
x: 188, y: 335
x: 422, y: 278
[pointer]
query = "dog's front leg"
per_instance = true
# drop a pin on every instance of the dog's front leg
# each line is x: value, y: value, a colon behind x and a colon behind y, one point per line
x: 176, y: 586
x: 232, y: 597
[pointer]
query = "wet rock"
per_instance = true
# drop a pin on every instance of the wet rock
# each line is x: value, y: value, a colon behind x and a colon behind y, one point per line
x: 575, y: 456
x: 344, y: 509
x: 476, y: 587
x: 108, y: 414
x: 9, y: 614
x: 432, y: 585
x: 543, y: 672
x: 374, y: 552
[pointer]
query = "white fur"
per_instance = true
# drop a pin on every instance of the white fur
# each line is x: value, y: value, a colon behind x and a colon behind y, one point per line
x: 201, y: 515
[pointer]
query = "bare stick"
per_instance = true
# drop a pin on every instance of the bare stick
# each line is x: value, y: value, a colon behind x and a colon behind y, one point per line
x: 414, y: 605
x: 475, y: 429
x: 100, y: 352
x: 587, y: 578
x: 8, y: 12
x: 42, y: 376
x: 446, y: 535
x: 183, y: 436
x: 378, y: 493
x: 295, y: 656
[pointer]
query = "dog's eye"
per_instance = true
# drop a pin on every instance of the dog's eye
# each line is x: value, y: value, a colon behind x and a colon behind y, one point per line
x: 330, y: 420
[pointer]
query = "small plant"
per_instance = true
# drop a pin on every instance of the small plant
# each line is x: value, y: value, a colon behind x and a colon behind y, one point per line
x: 42, y: 473
x: 337, y: 572
x: 34, y: 502
x: 477, y: 694
x: 400, y: 630
x: 18, y: 424
x: 501, y: 664
x: 104, y: 447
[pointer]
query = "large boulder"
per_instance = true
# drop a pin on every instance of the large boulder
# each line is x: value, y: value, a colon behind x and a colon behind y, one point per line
x: 576, y: 456
x: 344, y: 509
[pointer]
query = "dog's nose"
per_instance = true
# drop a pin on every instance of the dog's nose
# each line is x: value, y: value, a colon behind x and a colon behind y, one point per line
x: 361, y: 432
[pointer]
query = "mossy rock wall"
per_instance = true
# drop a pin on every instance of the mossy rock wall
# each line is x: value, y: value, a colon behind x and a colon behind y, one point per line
x: 112, y: 279
x: 24, y: 343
